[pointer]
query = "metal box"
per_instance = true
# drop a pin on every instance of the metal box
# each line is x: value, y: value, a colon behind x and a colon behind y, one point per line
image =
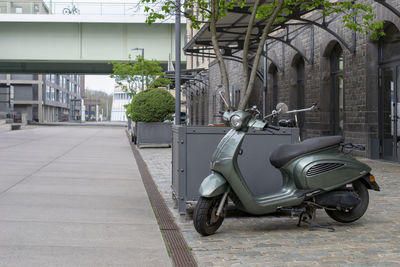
x: 153, y: 133
x: 193, y: 146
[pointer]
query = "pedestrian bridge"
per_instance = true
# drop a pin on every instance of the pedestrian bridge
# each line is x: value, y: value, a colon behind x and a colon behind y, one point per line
x: 56, y: 43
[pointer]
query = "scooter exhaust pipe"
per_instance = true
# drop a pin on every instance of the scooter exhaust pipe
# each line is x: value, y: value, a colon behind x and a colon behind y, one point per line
x: 338, y: 199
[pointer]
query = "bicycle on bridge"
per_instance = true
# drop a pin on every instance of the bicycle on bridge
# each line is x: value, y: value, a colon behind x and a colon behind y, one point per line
x: 71, y: 10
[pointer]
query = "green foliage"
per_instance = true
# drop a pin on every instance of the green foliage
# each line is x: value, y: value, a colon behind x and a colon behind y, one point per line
x: 354, y: 15
x: 159, y: 10
x: 134, y: 72
x: 152, y: 105
x: 128, y: 110
x: 105, y: 101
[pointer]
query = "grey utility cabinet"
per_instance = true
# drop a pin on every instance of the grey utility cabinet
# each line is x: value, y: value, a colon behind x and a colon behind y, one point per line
x: 193, y: 146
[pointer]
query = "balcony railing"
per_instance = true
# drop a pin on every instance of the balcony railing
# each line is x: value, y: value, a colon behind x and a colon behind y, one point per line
x: 71, y: 8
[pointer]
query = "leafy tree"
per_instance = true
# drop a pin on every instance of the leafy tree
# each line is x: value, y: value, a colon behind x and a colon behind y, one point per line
x: 272, y: 11
x: 105, y: 100
x: 151, y: 105
x: 133, y: 73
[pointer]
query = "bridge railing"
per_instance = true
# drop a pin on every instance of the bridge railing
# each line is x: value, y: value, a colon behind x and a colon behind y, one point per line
x: 71, y: 8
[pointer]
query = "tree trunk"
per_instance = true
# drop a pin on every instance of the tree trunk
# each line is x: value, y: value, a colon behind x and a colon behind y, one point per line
x: 247, y: 43
x: 266, y: 30
x: 220, y: 59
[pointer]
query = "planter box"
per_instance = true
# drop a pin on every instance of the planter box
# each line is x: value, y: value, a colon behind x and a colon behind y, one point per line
x: 152, y: 133
x: 192, y: 148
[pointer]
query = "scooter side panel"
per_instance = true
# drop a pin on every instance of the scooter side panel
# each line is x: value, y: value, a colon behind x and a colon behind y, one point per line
x: 225, y: 163
x: 327, y: 169
x: 213, y: 185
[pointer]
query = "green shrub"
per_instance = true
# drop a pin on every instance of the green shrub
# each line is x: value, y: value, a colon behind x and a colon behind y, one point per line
x: 152, y: 105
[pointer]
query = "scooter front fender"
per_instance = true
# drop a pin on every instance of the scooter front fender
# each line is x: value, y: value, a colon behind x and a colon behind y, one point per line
x: 213, y: 185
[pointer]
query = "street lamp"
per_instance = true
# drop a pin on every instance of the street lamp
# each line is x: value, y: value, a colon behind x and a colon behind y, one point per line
x: 178, y: 62
x: 136, y: 49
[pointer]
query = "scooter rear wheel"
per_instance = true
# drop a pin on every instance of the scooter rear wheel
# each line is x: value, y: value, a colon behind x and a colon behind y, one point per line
x: 356, y: 212
x: 205, y: 220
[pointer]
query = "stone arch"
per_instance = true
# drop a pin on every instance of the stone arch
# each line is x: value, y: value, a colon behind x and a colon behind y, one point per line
x: 384, y: 14
x: 295, y: 60
x: 388, y: 44
x: 272, y: 68
x: 329, y: 46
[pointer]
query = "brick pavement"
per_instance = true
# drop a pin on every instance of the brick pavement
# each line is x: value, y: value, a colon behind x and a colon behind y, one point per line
x: 274, y: 240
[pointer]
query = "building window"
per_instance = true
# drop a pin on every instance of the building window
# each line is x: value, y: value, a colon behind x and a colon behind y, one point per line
x: 48, y: 91
x: 300, y: 94
x: 337, y: 91
x: 53, y: 78
x: 53, y: 94
x: 273, y: 70
x: 237, y: 98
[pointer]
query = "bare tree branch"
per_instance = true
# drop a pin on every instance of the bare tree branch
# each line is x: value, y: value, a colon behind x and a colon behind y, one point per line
x: 247, y: 44
x: 266, y: 30
x: 220, y: 59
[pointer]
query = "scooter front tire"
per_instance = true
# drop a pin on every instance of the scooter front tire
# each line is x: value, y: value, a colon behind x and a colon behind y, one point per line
x: 205, y: 220
x: 358, y: 211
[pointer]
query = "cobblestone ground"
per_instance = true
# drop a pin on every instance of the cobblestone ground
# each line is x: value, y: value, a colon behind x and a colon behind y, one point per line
x: 242, y: 240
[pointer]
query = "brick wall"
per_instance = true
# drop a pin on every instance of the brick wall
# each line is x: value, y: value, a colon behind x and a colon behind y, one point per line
x: 360, y: 77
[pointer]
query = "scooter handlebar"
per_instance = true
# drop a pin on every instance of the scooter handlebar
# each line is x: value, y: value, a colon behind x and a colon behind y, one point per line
x: 313, y: 107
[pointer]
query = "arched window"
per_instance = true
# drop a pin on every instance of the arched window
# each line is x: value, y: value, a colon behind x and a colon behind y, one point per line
x: 273, y: 70
x: 337, y: 91
x: 300, y: 93
x: 389, y: 106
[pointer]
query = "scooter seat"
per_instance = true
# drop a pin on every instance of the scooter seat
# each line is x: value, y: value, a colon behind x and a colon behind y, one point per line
x: 285, y: 153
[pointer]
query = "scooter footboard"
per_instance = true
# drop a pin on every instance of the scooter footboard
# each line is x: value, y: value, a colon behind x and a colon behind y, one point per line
x: 213, y: 185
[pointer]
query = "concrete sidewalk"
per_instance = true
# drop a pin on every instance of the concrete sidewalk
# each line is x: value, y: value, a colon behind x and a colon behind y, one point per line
x: 73, y: 196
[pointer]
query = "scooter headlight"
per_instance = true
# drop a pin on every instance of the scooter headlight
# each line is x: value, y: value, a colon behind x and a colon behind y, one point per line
x: 236, y: 121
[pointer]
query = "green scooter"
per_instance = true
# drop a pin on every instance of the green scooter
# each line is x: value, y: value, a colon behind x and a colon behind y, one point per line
x: 317, y: 173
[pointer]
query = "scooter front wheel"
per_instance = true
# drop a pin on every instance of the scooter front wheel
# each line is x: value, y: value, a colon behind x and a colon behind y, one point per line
x: 357, y: 211
x: 205, y: 220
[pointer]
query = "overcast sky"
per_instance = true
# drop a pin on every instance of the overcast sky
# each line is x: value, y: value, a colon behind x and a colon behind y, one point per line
x: 100, y: 83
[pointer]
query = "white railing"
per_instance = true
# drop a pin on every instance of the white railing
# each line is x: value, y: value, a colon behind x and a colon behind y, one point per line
x: 72, y: 8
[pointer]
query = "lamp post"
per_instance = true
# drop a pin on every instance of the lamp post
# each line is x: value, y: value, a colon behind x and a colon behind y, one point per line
x: 178, y: 63
x: 136, y: 49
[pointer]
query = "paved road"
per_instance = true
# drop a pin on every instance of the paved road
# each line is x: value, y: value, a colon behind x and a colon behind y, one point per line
x: 374, y: 240
x: 73, y: 196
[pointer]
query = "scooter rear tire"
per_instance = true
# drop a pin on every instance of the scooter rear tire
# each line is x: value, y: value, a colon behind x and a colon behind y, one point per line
x: 204, y: 218
x: 358, y: 211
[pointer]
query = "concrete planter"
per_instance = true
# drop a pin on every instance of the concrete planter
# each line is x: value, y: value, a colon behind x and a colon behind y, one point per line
x: 152, y: 133
x: 192, y: 148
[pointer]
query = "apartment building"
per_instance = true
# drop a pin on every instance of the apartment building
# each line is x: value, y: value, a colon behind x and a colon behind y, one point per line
x: 42, y: 98
x: 118, y: 110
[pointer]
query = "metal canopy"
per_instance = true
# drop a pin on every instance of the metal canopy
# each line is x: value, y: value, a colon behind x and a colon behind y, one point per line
x: 187, y: 75
x: 232, y: 30
x: 233, y: 27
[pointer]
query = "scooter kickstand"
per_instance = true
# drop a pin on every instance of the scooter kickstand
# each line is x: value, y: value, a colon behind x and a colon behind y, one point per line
x: 309, y: 219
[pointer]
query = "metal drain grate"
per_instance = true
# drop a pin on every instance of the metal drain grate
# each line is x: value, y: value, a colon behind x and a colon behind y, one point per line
x: 176, y: 244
